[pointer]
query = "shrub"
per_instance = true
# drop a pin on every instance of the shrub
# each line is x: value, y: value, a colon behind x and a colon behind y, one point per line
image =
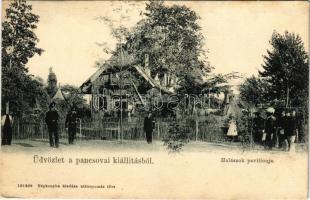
x: 176, y: 137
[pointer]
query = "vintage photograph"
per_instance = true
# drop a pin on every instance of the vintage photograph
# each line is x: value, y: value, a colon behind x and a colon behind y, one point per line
x: 99, y: 81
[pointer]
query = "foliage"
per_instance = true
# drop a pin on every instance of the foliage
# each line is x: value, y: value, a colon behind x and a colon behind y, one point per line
x: 72, y: 96
x: 176, y: 137
x: 253, y: 91
x: 286, y: 68
x: 18, y: 38
x: 170, y: 37
x: 244, y: 124
x: 20, y: 89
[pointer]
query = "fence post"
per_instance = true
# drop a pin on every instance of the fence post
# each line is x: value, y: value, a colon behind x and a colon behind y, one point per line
x: 18, y: 128
x: 80, y: 129
x: 297, y: 136
x: 42, y: 129
x: 196, y: 129
x: 158, y: 133
x: 32, y: 128
x: 119, y: 132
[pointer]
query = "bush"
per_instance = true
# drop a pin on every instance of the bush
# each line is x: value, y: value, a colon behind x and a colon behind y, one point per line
x: 176, y: 137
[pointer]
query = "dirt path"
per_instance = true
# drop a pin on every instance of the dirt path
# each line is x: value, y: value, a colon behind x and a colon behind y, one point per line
x: 32, y: 146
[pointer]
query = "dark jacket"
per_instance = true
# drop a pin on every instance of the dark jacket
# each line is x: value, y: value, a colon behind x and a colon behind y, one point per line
x: 291, y: 126
x: 71, y: 120
x: 281, y: 122
x: 51, y: 119
x: 258, y: 123
x: 270, y: 125
x: 149, y: 124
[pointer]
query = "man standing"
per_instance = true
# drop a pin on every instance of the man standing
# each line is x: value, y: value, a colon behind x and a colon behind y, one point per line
x: 290, y: 130
x: 269, y: 128
x: 149, y: 125
x: 71, y: 122
x: 51, y: 120
x: 258, y: 127
x: 281, y: 126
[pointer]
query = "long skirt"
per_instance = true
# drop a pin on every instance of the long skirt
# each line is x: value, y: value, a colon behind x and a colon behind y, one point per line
x: 232, y: 130
x: 6, y: 135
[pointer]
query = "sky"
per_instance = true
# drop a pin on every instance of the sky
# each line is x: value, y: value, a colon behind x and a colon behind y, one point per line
x: 236, y: 34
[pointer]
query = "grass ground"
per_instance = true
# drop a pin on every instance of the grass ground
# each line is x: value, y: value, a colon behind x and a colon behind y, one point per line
x: 39, y: 145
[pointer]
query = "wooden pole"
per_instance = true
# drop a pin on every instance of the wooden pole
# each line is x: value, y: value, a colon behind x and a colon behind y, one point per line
x: 42, y: 129
x: 297, y: 136
x: 209, y: 99
x: 158, y: 133
x: 17, y: 128
x: 196, y: 121
x: 80, y: 129
x: 121, y: 99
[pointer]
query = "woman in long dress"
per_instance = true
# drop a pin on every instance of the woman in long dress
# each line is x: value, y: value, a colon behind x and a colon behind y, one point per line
x: 232, y: 129
x: 6, y: 123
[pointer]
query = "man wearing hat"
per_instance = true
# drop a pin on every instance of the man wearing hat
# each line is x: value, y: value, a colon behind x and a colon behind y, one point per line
x: 269, y: 129
x: 51, y: 120
x: 71, y: 122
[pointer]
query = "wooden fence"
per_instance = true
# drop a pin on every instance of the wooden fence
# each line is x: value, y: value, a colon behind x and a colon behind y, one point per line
x: 207, y: 129
x: 109, y: 129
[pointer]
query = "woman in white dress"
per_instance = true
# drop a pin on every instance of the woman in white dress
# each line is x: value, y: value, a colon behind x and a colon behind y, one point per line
x: 232, y: 129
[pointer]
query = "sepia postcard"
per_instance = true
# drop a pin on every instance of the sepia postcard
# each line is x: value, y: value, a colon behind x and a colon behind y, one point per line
x: 154, y: 99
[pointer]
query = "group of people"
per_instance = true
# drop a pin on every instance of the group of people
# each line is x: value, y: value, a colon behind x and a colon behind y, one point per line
x: 270, y: 131
x: 52, y: 118
x: 276, y: 132
x: 52, y: 121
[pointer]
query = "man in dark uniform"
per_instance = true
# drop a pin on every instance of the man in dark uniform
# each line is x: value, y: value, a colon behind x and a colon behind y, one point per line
x: 149, y: 125
x: 71, y: 122
x: 51, y: 120
x: 281, y: 123
x: 290, y: 130
x: 269, y: 128
x: 258, y: 127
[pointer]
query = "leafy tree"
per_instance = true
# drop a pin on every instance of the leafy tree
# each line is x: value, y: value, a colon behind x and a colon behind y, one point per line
x: 253, y: 91
x: 286, y: 69
x: 72, y: 96
x: 171, y: 38
x: 18, y: 46
x: 18, y: 39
